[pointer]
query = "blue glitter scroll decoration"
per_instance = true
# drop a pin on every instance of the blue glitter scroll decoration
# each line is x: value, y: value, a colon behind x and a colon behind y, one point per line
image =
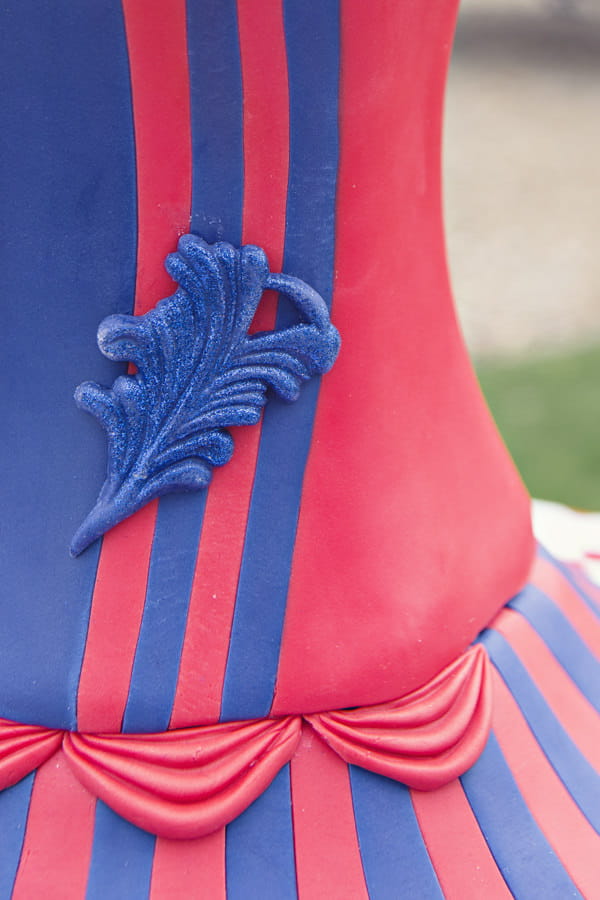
x: 198, y: 371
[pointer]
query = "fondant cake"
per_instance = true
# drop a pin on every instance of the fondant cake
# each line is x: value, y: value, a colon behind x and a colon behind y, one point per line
x: 304, y: 643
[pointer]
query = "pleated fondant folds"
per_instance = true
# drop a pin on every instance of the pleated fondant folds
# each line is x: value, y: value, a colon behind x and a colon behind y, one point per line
x: 190, y: 782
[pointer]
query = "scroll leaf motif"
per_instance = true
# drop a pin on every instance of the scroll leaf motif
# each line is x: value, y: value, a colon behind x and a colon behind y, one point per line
x: 198, y: 371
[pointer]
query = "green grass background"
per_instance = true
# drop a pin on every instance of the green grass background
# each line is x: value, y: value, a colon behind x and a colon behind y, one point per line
x: 548, y: 411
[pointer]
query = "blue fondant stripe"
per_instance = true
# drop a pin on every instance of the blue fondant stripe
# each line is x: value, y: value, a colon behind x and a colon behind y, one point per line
x: 527, y: 861
x: 67, y: 260
x: 14, y: 807
x: 567, y: 574
x: 217, y: 194
x: 259, y: 850
x: 312, y: 39
x: 122, y: 857
x: 394, y: 857
x: 172, y: 563
x: 562, y: 639
x: 576, y: 773
x: 217, y: 122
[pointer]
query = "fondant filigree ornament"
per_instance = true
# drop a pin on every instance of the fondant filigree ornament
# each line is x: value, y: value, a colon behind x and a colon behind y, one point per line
x: 198, y: 371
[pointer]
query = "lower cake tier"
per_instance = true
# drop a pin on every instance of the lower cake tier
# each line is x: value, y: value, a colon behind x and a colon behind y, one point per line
x: 522, y: 821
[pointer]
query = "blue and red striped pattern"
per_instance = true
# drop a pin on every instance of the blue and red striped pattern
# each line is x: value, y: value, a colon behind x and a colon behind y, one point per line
x: 521, y: 822
x: 183, y: 637
x: 195, y: 632
x: 204, y: 607
x: 198, y: 633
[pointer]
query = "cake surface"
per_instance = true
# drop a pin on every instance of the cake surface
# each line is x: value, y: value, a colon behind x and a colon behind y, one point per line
x: 307, y: 678
x: 340, y: 536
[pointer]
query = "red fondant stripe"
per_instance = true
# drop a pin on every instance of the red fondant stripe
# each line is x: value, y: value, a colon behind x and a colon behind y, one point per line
x: 266, y: 150
x: 58, y: 837
x: 457, y: 848
x: 549, y: 579
x: 568, y: 831
x: 156, y: 38
x: 114, y: 625
x: 266, y: 131
x: 189, y: 868
x: 566, y: 701
x: 328, y: 862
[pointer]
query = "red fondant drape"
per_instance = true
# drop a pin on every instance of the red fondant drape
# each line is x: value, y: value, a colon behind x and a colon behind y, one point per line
x: 424, y: 739
x: 24, y: 748
x: 184, y: 784
x: 190, y: 782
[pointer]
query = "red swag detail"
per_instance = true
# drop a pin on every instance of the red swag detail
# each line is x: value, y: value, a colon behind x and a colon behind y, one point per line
x: 24, y: 748
x: 189, y: 782
x: 425, y: 739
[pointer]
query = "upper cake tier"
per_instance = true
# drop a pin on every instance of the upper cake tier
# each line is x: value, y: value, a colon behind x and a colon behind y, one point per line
x: 360, y: 537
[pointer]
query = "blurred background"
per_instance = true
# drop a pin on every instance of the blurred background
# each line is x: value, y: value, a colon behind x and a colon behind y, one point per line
x: 522, y: 196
